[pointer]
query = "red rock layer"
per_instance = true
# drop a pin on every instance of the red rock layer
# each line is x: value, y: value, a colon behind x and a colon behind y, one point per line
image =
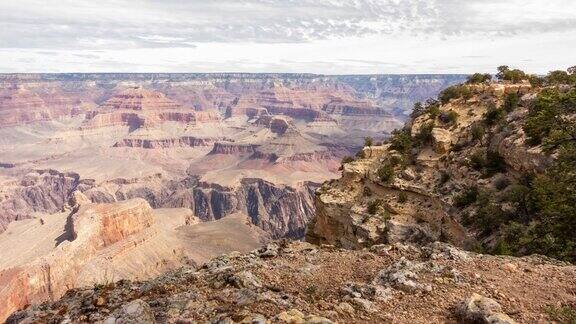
x: 185, y: 141
x: 91, y: 229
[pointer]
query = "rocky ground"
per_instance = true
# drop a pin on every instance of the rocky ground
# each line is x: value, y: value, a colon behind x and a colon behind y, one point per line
x: 296, y: 282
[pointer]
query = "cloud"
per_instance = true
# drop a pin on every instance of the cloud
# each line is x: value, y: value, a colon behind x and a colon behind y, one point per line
x: 113, y: 24
x: 322, y: 36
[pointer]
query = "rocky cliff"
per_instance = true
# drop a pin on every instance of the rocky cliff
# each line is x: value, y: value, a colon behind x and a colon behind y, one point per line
x: 466, y: 169
x: 303, y: 283
x: 96, y: 244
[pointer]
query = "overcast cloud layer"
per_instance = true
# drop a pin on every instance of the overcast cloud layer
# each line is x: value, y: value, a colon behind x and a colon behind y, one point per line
x: 318, y: 36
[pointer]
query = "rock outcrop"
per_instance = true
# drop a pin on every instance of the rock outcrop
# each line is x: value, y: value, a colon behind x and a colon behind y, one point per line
x: 296, y: 282
x: 97, y: 244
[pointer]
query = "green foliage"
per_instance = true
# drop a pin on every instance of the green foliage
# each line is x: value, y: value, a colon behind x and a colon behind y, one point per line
x: 536, y: 81
x: 424, y: 135
x: 368, y: 141
x: 401, y: 140
x: 494, y: 163
x: 417, y: 110
x: 449, y: 117
x: 347, y: 159
x: 374, y: 206
x: 395, y: 160
x: 453, y: 92
x: 466, y: 197
x: 494, y: 116
x: 511, y: 102
x: 477, y: 160
x: 514, y: 76
x: 562, y: 314
x: 434, y: 111
x: 444, y: 177
x: 477, y: 131
x: 558, y: 77
x: 501, y: 183
x: 479, y: 78
x: 386, y: 173
x: 547, y: 121
x: 402, y: 197
x: 502, y: 248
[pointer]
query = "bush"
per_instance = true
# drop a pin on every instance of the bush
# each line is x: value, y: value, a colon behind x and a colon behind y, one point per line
x: 511, y: 102
x: 453, y: 92
x: 493, y: 116
x: 386, y: 173
x: 477, y: 131
x: 467, y: 197
x: 347, y: 159
x: 479, y: 78
x: 501, y: 183
x: 368, y: 141
x: 424, y: 135
x: 401, y: 140
x: 449, y: 117
x: 360, y: 154
x: 434, y: 111
x: 444, y: 177
x: 477, y: 160
x: 514, y: 76
x: 374, y: 206
x: 402, y: 197
x: 546, y: 122
x: 558, y: 77
x: 495, y: 163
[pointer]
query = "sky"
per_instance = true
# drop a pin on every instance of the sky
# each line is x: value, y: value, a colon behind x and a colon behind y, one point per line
x: 302, y: 36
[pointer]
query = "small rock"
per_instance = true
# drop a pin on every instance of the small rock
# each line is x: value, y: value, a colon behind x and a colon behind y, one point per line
x: 269, y: 251
x: 245, y: 279
x: 480, y: 309
x: 137, y: 311
x: 292, y: 316
x: 344, y: 307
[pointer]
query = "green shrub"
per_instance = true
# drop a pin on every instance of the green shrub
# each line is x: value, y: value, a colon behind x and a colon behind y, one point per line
x: 396, y: 160
x: 444, y: 177
x: 386, y: 173
x: 477, y: 160
x: 368, y: 141
x: 514, y: 76
x: 495, y: 163
x: 402, y: 197
x: 434, y: 111
x: 558, y: 77
x: 501, y: 183
x: 477, y: 131
x: 511, y: 102
x: 401, y: 140
x: 547, y: 123
x: 466, y: 197
x: 424, y: 135
x: 493, y: 116
x: 347, y: 159
x: 454, y: 92
x: 374, y: 206
x: 562, y: 314
x: 479, y: 78
x: 449, y: 117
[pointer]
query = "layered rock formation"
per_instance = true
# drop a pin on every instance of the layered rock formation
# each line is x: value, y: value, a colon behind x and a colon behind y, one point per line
x: 120, y: 136
x: 99, y: 243
x: 430, y: 178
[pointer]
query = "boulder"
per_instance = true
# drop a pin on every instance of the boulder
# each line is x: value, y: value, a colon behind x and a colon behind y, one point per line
x: 441, y: 140
x: 480, y: 309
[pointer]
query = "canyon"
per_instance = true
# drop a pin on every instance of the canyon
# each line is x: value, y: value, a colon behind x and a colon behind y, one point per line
x: 125, y: 176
